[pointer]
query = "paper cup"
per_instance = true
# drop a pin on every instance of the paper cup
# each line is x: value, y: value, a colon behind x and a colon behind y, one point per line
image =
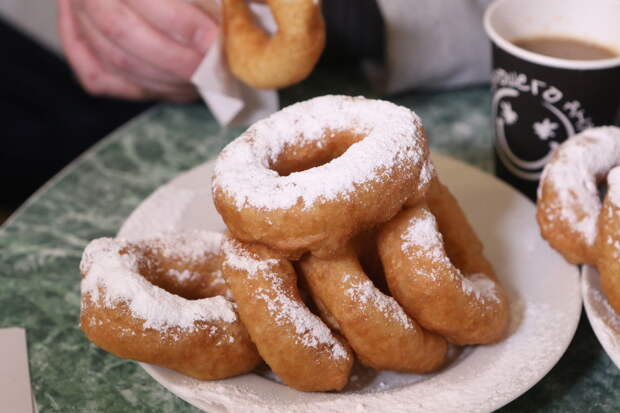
x: 539, y: 101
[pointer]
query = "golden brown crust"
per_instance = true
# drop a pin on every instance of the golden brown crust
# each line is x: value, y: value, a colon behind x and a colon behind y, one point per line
x: 270, y: 62
x: 208, y: 348
x: 380, y: 167
x: 421, y: 273
x: 381, y: 334
x: 215, y: 350
x: 559, y: 233
x: 326, y: 227
x: 295, y: 343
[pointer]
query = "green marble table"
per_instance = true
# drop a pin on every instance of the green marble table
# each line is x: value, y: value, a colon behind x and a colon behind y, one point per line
x: 40, y: 247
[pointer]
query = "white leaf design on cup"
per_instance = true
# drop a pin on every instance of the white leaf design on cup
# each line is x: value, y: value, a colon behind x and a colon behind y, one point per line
x: 545, y: 129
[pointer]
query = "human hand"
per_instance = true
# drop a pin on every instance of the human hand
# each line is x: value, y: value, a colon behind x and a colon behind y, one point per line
x: 135, y: 49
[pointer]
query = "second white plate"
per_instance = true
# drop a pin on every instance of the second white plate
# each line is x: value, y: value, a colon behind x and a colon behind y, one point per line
x: 604, y: 320
x: 543, y: 288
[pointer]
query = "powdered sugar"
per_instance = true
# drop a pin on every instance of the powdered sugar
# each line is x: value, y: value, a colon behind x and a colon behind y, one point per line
x: 572, y: 175
x: 236, y: 258
x: 393, y: 137
x: 423, y: 239
x: 613, y: 186
x: 427, y: 173
x: 112, y: 277
x: 365, y: 293
x: 186, y: 246
x: 309, y: 329
x: 481, y: 287
x: 182, y: 276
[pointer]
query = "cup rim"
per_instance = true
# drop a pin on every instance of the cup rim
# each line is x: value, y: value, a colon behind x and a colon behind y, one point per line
x: 540, y: 59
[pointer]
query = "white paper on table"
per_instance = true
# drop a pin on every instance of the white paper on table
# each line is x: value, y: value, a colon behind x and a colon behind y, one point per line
x: 231, y: 101
x: 15, y: 388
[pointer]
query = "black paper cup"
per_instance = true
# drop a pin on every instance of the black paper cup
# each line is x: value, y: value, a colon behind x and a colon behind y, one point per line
x: 539, y: 101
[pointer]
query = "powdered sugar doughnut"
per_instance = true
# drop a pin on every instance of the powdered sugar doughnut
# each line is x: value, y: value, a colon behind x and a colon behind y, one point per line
x: 435, y: 269
x: 374, y: 324
x: 608, y: 241
x: 568, y: 198
x: 287, y: 57
x: 294, y: 342
x: 127, y: 310
x: 316, y: 173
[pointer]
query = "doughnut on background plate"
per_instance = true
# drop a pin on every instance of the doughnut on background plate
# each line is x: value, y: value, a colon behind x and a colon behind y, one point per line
x: 543, y: 289
x: 603, y: 319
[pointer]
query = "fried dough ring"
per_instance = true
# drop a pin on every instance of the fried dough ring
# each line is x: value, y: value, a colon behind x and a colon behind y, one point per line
x: 443, y: 282
x: 310, y: 177
x: 294, y: 342
x: 568, y: 203
x: 608, y: 241
x: 127, y: 311
x: 381, y: 334
x: 270, y: 62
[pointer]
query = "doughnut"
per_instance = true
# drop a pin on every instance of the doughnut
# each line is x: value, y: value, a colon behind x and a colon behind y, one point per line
x: 568, y: 203
x: 152, y: 301
x: 381, y: 334
x: 295, y: 343
x: 311, y: 176
x: 287, y: 57
x: 608, y: 241
x: 435, y: 269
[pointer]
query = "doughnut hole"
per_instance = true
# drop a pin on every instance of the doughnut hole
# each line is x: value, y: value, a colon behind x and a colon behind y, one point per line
x: 313, y: 153
x: 191, y: 279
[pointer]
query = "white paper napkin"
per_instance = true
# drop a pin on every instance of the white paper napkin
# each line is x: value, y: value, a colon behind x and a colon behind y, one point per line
x: 15, y: 389
x: 231, y: 101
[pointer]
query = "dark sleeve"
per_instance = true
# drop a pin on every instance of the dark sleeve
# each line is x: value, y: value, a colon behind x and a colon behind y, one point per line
x: 355, y: 31
x: 47, y: 119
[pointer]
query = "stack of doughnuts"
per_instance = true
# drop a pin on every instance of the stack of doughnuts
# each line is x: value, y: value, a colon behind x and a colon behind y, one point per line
x: 342, y: 244
x: 570, y: 213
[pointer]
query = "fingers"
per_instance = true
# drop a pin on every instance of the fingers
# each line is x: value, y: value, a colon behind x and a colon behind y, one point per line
x: 131, y: 33
x: 88, y: 69
x: 117, y: 60
x: 185, y: 23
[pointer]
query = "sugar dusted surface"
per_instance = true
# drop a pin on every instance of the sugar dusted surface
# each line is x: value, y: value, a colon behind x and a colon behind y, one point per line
x: 427, y: 173
x: 111, y: 278
x: 393, y: 137
x: 189, y: 246
x: 366, y: 294
x: 310, y: 330
x: 423, y: 239
x: 613, y: 186
x: 572, y: 176
x: 481, y: 287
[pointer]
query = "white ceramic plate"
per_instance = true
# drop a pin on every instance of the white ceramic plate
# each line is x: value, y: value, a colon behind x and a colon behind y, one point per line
x: 603, y: 319
x: 544, y: 289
